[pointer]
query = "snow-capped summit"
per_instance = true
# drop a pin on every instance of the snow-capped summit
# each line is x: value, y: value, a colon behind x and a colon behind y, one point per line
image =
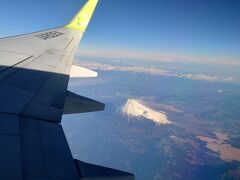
x: 137, y: 108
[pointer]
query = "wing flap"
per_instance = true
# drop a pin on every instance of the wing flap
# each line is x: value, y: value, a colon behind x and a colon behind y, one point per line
x: 81, y: 72
x: 10, y: 156
x: 91, y: 171
x: 33, y: 149
x: 75, y: 103
x: 45, y: 151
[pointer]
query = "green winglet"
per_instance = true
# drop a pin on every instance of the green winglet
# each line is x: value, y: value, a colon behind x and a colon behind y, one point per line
x: 81, y: 20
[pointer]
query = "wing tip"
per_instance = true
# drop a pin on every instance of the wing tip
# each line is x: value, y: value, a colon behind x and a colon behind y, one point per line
x: 82, y: 18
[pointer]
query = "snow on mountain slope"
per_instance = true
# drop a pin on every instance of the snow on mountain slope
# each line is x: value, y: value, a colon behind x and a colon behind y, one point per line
x: 136, y: 108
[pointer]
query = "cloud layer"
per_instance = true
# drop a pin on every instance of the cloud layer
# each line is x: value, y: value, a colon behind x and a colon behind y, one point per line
x: 154, y: 72
x: 159, y: 57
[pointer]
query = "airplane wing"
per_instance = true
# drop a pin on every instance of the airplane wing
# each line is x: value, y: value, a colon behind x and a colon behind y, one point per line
x: 34, y: 75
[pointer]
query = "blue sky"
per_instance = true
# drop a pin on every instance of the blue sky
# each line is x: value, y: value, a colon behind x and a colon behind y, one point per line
x: 194, y: 28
